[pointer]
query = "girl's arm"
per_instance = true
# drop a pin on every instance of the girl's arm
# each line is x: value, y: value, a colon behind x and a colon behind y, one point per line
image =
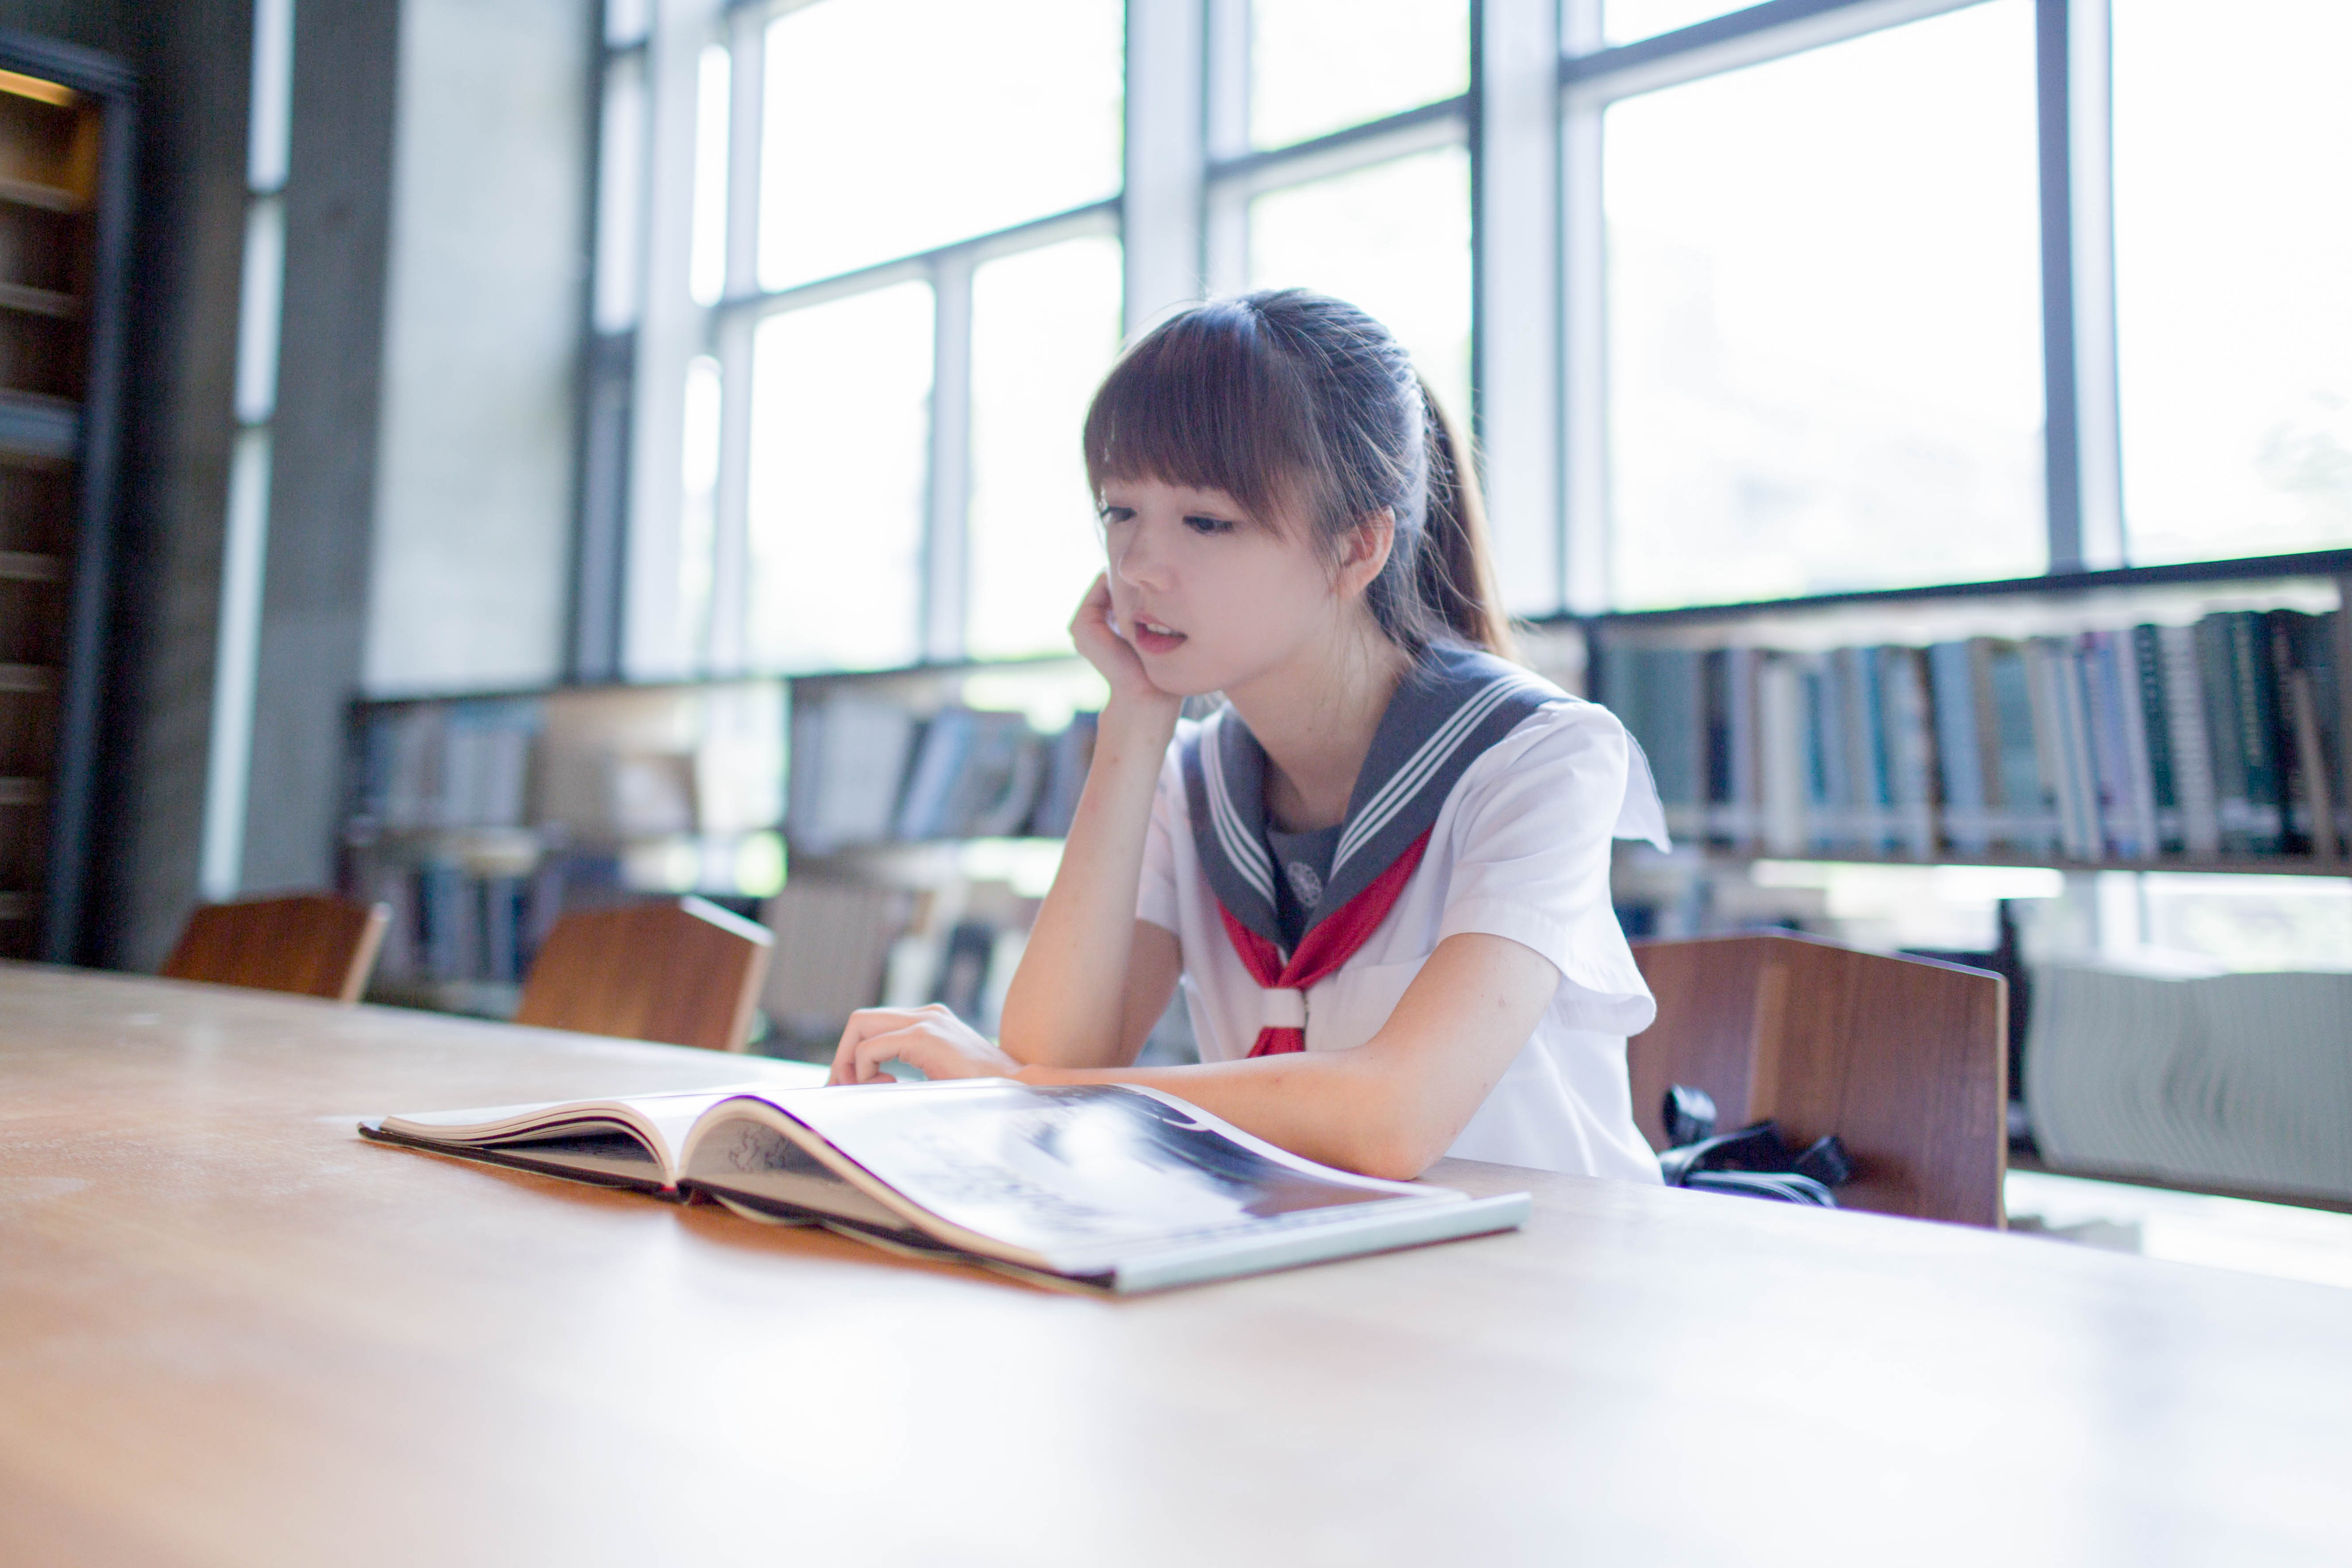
x: 1091, y: 970
x: 1388, y: 1108
x: 1093, y: 979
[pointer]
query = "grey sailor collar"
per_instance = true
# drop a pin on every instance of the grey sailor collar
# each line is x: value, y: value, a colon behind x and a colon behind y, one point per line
x: 1444, y: 714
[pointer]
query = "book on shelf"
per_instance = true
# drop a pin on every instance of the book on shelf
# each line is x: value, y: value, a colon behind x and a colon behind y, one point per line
x: 2141, y: 744
x: 1109, y: 1187
x: 868, y: 772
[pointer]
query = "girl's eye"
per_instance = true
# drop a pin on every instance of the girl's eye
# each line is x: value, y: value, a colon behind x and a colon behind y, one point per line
x: 1109, y: 515
x: 1200, y: 524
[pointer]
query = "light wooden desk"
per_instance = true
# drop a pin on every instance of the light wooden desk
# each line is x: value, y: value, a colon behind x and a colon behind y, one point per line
x: 231, y: 1332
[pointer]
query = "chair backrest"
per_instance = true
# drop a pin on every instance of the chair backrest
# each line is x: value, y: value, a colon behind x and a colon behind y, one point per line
x: 313, y: 944
x: 682, y: 972
x: 1905, y: 1060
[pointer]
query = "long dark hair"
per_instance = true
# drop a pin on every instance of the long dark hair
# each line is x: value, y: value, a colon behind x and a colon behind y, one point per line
x: 1292, y: 401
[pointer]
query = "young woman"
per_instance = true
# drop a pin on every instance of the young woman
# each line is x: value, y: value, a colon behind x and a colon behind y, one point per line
x: 1380, y: 870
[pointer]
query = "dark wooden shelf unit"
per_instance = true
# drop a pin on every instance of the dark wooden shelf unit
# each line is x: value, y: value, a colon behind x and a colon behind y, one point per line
x: 65, y: 180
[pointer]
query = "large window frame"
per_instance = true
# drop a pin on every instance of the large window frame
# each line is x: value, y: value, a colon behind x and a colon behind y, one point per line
x: 1542, y: 77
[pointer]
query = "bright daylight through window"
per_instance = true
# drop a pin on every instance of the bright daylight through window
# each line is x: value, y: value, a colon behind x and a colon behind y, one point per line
x: 1824, y: 320
x: 2233, y: 249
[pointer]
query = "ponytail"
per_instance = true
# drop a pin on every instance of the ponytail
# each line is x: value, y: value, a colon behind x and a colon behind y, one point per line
x: 1454, y: 569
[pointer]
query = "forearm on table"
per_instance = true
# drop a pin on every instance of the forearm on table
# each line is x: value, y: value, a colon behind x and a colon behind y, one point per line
x: 1067, y: 1004
x: 1392, y: 1105
x: 1349, y: 1109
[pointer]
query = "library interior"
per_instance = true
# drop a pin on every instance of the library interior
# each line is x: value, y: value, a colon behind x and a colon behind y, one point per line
x: 539, y: 524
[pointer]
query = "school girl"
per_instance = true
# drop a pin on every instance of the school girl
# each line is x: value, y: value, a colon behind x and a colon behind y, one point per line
x: 1381, y: 869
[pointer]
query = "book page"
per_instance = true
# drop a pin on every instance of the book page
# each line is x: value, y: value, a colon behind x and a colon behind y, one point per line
x: 1085, y: 1170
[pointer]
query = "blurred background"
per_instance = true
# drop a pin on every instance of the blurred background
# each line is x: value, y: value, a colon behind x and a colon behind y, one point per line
x: 565, y: 449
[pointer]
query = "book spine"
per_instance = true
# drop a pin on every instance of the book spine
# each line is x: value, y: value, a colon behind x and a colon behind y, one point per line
x: 2225, y: 734
x: 1714, y: 738
x: 2122, y: 663
x: 2294, y: 744
x: 2155, y: 730
x: 1741, y: 666
x: 2110, y: 771
x: 1959, y: 764
x: 1910, y: 749
x: 2028, y: 810
x: 1824, y: 776
x: 2191, y: 745
x: 2259, y: 729
x: 1785, y: 754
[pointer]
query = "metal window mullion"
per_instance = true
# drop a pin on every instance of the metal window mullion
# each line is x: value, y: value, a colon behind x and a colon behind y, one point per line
x: 946, y: 535
x: 1225, y: 79
x: 748, y: 54
x: 2060, y: 472
x: 1584, y: 326
x: 1161, y: 215
x: 1738, y: 40
x: 2098, y: 435
x: 1516, y: 292
x: 730, y: 545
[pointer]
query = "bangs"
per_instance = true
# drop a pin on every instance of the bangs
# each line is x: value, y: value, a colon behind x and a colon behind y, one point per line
x: 1207, y: 400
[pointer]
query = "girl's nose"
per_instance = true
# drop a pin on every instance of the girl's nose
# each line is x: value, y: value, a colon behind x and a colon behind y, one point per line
x: 1137, y: 559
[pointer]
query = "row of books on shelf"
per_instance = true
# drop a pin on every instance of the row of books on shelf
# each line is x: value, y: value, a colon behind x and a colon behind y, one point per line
x: 2221, y: 738
x: 449, y: 764
x: 452, y: 923
x: 868, y: 772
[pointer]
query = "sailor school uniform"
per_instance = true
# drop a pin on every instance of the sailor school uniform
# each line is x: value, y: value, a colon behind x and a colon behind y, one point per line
x: 1487, y: 803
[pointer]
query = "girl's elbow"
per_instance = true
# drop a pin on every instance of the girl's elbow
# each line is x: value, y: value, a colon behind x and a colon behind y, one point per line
x: 1397, y: 1148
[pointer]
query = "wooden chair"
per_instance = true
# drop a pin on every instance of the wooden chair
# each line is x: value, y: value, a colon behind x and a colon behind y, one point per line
x: 1905, y: 1060
x: 681, y: 972
x: 313, y: 944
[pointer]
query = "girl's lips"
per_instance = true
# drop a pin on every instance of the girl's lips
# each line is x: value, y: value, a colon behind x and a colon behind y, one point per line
x: 1151, y: 641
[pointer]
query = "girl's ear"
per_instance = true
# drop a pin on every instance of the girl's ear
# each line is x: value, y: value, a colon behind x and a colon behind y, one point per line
x: 1364, y: 550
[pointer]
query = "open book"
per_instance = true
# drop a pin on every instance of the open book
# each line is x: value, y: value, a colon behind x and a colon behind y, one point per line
x: 1109, y: 1187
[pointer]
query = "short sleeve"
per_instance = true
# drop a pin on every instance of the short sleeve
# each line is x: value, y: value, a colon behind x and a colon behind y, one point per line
x: 1155, y: 894
x: 1533, y: 822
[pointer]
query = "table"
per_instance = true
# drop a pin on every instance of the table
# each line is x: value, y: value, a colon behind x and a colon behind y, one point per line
x: 232, y: 1333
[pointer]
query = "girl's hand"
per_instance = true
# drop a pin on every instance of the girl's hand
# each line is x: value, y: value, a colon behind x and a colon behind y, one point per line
x: 1107, y: 651
x: 929, y: 1037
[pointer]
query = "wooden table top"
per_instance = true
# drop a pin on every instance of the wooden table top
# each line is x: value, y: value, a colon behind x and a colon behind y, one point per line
x: 232, y: 1333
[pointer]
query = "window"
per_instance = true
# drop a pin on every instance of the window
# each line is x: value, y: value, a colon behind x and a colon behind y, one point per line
x: 1320, y: 65
x: 1045, y: 329
x: 892, y: 127
x: 1393, y: 238
x: 1741, y: 301
x: 839, y: 430
x: 2233, y: 239
x: 1824, y: 320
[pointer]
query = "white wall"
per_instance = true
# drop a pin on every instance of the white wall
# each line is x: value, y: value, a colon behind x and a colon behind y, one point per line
x: 474, y: 476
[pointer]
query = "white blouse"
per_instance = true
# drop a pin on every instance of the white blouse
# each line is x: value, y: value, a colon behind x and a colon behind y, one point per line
x: 1520, y: 850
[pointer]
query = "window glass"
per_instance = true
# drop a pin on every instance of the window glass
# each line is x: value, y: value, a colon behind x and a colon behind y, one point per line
x: 1320, y: 66
x: 2233, y: 249
x: 893, y: 126
x: 840, y: 452
x: 1394, y: 239
x: 1623, y: 21
x: 1045, y: 329
x: 1824, y: 320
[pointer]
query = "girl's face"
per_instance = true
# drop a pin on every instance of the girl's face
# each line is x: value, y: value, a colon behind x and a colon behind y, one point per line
x: 1210, y: 596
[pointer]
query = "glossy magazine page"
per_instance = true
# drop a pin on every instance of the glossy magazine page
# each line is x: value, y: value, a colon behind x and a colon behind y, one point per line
x: 1070, y: 1179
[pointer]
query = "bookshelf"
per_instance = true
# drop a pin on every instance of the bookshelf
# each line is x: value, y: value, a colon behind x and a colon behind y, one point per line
x: 2019, y: 723
x: 65, y: 192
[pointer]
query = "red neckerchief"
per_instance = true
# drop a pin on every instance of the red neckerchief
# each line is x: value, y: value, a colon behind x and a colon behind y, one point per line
x: 1454, y: 704
x: 1332, y: 943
